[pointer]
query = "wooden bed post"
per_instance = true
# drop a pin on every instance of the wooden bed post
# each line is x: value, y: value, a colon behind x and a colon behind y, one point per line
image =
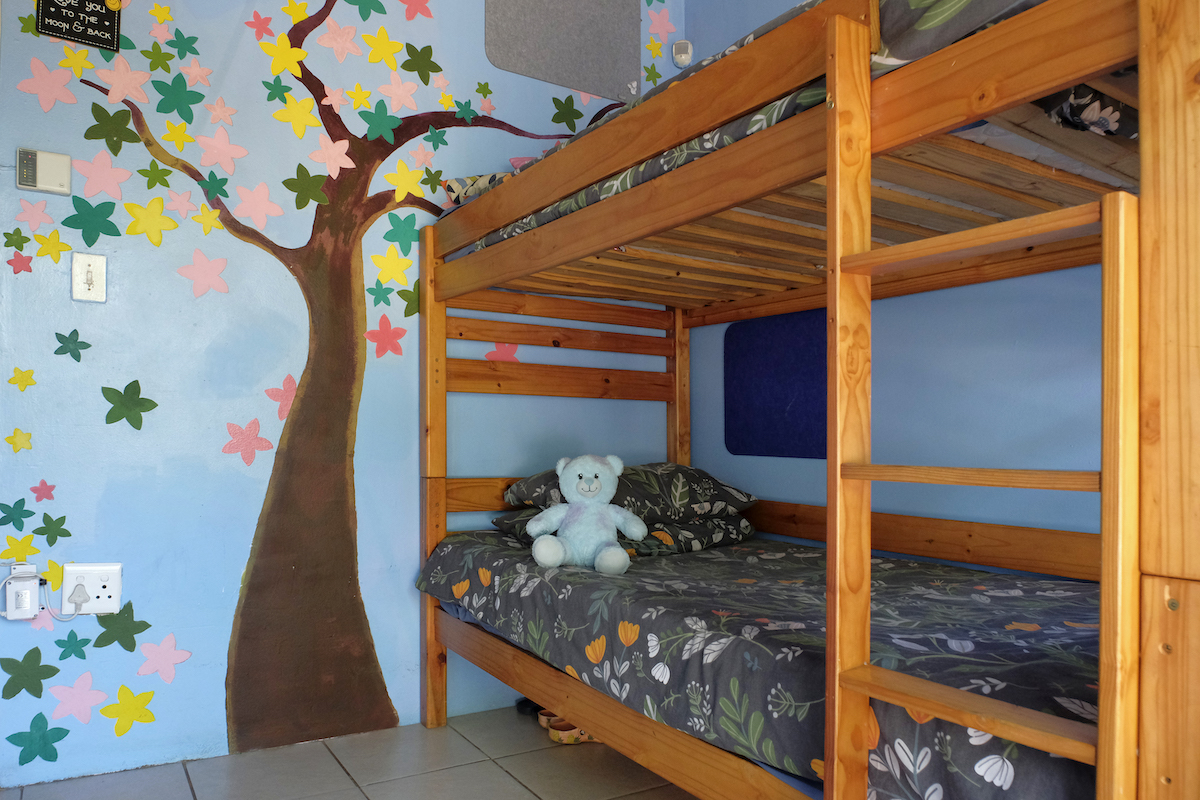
x: 679, y: 410
x: 848, y: 181
x: 433, y: 475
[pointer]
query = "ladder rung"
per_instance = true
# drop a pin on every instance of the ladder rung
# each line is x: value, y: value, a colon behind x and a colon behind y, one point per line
x: 1064, y: 737
x: 1014, y: 234
x: 1062, y: 480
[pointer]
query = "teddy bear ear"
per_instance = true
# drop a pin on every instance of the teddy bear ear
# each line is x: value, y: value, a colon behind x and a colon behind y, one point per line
x: 562, y: 464
x: 616, y: 463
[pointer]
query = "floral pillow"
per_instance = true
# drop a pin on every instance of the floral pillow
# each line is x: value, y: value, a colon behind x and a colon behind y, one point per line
x: 684, y: 508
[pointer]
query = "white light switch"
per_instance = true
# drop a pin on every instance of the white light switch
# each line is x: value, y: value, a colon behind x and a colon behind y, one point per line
x: 88, y: 274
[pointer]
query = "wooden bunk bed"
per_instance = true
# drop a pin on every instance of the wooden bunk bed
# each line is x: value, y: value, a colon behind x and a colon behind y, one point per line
x: 732, y: 236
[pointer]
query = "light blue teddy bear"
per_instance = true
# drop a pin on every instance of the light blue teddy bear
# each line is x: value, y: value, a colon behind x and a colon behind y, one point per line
x: 587, y: 523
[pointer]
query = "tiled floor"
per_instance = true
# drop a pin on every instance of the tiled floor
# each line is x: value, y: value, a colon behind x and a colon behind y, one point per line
x: 497, y: 755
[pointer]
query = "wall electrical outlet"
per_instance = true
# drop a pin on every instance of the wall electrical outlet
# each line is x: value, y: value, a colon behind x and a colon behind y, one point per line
x: 89, y: 274
x: 21, y: 592
x: 91, y: 588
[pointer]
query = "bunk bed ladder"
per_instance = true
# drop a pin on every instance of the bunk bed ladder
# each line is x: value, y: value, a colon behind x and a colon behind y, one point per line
x: 851, y: 680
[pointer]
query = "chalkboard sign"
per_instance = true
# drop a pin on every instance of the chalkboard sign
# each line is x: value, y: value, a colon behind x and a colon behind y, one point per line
x: 92, y: 22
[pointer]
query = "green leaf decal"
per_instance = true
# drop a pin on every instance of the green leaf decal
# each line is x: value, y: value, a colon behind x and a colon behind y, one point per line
x: 112, y: 128
x: 421, y: 62
x: 52, y: 529
x: 27, y: 674
x: 38, y: 741
x: 121, y: 628
x: 128, y: 405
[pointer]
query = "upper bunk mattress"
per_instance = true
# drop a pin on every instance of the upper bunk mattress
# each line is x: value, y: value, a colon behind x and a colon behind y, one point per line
x: 728, y: 644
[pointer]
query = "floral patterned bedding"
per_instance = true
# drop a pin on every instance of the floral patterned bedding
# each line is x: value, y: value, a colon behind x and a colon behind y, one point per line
x: 728, y: 645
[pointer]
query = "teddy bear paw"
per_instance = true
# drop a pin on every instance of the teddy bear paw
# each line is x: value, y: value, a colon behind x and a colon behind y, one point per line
x: 612, y: 560
x: 549, y: 552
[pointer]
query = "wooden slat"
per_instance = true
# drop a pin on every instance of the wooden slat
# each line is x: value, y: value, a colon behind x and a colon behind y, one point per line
x: 1114, y: 155
x: 1015, y: 61
x: 482, y: 330
x: 433, y: 653
x: 673, y: 242
x: 1051, y: 552
x: 1170, y: 287
x: 848, y: 577
x: 746, y: 80
x: 1060, y: 480
x: 502, y: 377
x: 1054, y: 226
x: 695, y: 269
x: 560, y: 308
x: 1063, y: 737
x: 923, y: 208
x: 1123, y: 88
x: 1120, y: 589
x: 566, y: 286
x: 1170, y: 719
x: 994, y: 199
x: 610, y: 275
x: 477, y: 494
x: 692, y: 764
x: 780, y: 156
x: 802, y: 209
x: 679, y: 408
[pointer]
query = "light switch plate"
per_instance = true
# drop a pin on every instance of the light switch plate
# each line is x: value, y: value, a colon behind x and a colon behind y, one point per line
x: 88, y: 277
x: 39, y: 171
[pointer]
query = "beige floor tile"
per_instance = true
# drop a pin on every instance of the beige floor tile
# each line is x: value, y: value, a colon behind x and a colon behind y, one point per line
x: 10, y: 794
x: 283, y: 773
x: 469, y: 782
x: 399, y: 752
x: 579, y: 772
x: 168, y: 782
x: 668, y: 792
x: 502, y: 732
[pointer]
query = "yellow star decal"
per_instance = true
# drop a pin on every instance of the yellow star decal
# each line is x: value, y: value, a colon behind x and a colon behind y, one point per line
x: 299, y: 114
x: 297, y: 11
x: 149, y: 220
x: 655, y: 48
x: 382, y: 48
x: 209, y: 219
x: 406, y: 181
x: 177, y: 135
x: 22, y: 378
x: 161, y: 13
x: 20, y: 440
x: 20, y: 549
x: 360, y: 96
x: 129, y: 709
x: 51, y: 246
x: 283, y: 55
x: 391, y: 266
x: 53, y: 574
x: 76, y: 60
x: 447, y: 101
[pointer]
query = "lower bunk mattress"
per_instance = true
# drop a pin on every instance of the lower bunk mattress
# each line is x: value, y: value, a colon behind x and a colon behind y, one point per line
x: 728, y: 644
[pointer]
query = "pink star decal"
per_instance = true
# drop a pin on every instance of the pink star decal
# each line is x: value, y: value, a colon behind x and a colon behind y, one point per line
x: 333, y: 155
x: 43, y: 621
x: 503, y: 352
x: 487, y: 106
x: 101, y: 175
x: 162, y: 658
x: 77, y: 700
x: 660, y: 24
x: 125, y: 81
x: 340, y: 40
x: 422, y: 158
x: 221, y: 112
x: 218, y: 150
x: 585, y: 98
x: 21, y: 263
x: 386, y: 338
x: 400, y: 92
x: 414, y: 7
x: 335, y: 98
x: 440, y: 82
x: 520, y: 161
x: 261, y: 26
x: 50, y: 87
x: 245, y: 441
x: 34, y: 214
x: 181, y: 203
x: 205, y: 273
x: 284, y: 395
x: 196, y: 73
x: 256, y: 204
x: 43, y: 491
x: 160, y: 31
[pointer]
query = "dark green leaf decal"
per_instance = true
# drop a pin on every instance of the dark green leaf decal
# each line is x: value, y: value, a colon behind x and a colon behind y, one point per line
x: 27, y: 674
x: 154, y: 175
x: 159, y: 59
x: 92, y: 221
x: 652, y: 74
x: 567, y: 113
x: 308, y: 188
x: 17, y: 239
x: 112, y: 128
x: 411, y: 298
x: 421, y: 62
x: 128, y: 405
x: 52, y: 529
x: 120, y: 628
x: 38, y: 741
x: 432, y: 179
x: 70, y: 345
x: 15, y: 515
x: 483, y: 90
x: 29, y: 25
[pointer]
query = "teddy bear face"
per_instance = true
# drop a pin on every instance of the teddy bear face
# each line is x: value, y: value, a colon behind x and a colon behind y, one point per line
x: 589, y: 479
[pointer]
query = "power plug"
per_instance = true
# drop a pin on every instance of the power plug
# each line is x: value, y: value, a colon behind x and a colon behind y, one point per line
x: 21, y: 591
x: 91, y: 588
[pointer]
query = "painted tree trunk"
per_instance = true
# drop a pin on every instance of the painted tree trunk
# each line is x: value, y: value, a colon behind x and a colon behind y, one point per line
x: 302, y: 662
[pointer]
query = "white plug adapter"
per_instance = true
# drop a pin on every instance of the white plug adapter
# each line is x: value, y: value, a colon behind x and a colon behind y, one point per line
x: 21, y: 592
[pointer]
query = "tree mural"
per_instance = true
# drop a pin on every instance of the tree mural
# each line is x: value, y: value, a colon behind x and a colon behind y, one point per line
x: 299, y: 667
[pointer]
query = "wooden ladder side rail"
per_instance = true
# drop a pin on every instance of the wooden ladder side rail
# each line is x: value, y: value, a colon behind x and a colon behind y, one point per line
x: 433, y: 476
x: 1120, y: 589
x: 679, y: 407
x: 774, y: 65
x: 694, y: 765
x: 1057, y: 480
x: 848, y: 579
x: 486, y: 330
x: 1063, y: 737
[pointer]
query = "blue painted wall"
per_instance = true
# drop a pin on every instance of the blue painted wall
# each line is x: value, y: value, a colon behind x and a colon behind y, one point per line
x: 712, y: 25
